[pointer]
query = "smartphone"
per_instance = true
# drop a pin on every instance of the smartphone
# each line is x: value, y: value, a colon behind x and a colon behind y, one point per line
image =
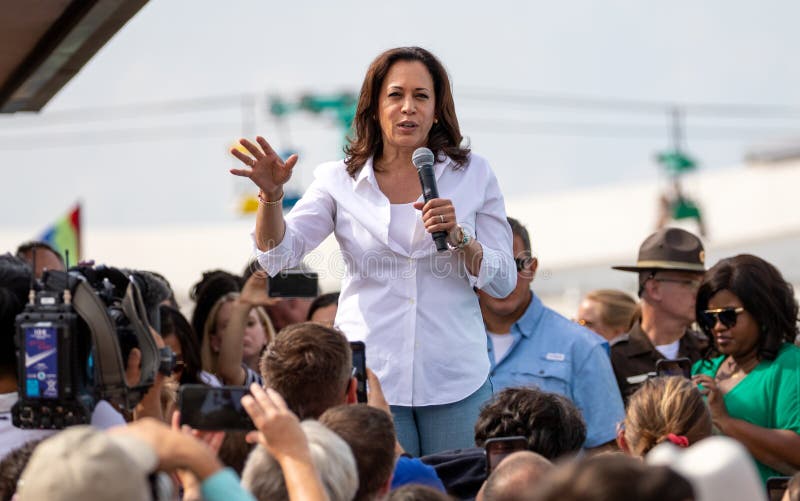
x: 677, y: 367
x: 776, y: 486
x: 294, y: 284
x: 208, y: 408
x: 498, y: 448
x: 360, y: 369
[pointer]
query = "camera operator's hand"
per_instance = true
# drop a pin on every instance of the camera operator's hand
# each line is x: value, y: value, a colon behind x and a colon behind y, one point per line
x: 213, y: 439
x: 173, y: 448
x: 266, y: 169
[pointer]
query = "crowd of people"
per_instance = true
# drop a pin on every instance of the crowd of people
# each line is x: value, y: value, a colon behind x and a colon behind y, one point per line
x: 475, y: 388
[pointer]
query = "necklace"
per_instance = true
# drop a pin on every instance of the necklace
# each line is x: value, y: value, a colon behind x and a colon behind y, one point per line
x: 732, y: 370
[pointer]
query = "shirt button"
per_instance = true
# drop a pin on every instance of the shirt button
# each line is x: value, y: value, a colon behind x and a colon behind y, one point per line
x: 411, y: 300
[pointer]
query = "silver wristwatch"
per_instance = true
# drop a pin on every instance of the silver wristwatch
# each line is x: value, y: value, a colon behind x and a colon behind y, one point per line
x: 460, y: 238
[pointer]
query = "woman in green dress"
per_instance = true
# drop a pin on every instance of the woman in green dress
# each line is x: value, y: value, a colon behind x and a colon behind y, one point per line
x: 750, y: 314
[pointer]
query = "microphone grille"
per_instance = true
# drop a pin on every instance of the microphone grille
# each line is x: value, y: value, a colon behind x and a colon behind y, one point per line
x: 422, y: 156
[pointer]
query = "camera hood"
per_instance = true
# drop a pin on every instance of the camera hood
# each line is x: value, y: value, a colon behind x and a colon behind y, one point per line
x: 109, y: 366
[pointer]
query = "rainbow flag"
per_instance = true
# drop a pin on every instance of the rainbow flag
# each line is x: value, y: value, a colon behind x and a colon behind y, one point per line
x: 65, y: 235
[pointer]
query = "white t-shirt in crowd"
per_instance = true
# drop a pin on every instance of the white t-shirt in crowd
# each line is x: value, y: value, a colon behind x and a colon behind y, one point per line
x: 413, y: 307
x: 670, y: 351
x: 501, y: 343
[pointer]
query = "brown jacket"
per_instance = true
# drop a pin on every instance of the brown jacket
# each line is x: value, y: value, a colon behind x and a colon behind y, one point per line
x: 635, y: 357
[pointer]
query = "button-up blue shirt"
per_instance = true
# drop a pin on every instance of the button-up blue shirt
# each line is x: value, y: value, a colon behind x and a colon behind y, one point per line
x: 560, y: 356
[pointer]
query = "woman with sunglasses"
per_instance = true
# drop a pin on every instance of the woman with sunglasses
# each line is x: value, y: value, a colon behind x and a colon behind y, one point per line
x: 750, y: 314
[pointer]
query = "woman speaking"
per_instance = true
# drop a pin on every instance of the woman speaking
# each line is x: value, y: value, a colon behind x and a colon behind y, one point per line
x: 414, y: 307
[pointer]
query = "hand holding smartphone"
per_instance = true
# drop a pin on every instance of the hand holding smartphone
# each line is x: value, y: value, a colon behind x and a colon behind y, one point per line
x: 776, y: 487
x: 677, y: 367
x: 294, y: 284
x: 360, y: 369
x: 209, y: 408
x: 498, y: 448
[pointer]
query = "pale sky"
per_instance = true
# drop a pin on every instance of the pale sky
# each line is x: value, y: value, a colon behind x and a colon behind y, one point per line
x: 143, y: 171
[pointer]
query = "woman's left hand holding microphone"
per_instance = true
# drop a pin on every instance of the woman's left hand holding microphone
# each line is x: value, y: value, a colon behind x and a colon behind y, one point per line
x: 438, y: 214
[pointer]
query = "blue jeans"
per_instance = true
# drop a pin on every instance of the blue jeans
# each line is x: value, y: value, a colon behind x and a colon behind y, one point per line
x: 435, y: 428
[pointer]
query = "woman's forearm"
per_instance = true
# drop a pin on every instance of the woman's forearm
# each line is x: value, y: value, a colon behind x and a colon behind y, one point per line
x: 778, y: 449
x: 229, y: 362
x: 270, y: 226
x: 473, y: 256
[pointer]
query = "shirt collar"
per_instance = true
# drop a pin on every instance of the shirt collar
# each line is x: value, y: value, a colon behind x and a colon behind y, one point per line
x: 367, y: 172
x: 529, y: 320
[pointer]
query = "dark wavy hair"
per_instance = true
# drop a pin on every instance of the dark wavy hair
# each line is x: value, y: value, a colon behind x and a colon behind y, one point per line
x: 552, y: 424
x: 322, y: 301
x: 366, y: 141
x: 213, y: 285
x: 15, y: 283
x: 173, y: 323
x: 764, y: 294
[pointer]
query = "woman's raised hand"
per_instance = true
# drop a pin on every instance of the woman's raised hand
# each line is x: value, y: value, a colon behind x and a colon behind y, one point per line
x: 266, y: 169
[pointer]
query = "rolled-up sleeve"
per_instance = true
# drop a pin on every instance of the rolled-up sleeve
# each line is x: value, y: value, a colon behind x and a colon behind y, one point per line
x: 308, y: 223
x: 497, y: 275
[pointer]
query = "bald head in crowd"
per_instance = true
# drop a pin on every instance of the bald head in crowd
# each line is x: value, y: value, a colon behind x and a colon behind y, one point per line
x: 515, y: 477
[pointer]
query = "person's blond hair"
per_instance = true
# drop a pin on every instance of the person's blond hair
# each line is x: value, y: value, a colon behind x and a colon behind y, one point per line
x: 662, y: 407
x: 618, y: 309
x: 208, y: 357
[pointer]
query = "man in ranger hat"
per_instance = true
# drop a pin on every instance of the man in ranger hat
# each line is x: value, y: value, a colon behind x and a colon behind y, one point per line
x: 670, y: 266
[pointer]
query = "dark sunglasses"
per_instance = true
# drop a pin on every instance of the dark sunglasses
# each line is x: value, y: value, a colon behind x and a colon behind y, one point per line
x: 725, y: 316
x: 522, y: 262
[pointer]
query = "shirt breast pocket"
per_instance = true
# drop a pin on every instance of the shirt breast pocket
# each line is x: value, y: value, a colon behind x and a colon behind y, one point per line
x: 552, y: 376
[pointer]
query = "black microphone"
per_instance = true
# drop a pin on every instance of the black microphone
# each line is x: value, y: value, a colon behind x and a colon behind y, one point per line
x: 423, y: 160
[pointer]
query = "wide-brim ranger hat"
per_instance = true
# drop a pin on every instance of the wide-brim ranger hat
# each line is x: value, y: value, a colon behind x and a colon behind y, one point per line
x: 671, y: 249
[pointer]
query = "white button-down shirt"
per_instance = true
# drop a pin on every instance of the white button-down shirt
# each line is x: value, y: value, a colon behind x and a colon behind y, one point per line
x: 414, y: 308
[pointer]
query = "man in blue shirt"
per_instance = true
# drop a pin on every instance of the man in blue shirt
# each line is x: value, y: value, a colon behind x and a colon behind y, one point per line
x: 530, y: 344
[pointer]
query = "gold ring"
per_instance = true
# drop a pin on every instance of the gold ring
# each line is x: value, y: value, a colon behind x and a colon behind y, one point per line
x: 442, y: 218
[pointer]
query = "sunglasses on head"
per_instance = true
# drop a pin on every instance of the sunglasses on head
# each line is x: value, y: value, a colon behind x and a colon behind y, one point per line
x: 725, y: 316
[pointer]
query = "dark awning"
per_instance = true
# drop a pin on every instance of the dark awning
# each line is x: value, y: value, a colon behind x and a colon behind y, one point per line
x: 44, y: 43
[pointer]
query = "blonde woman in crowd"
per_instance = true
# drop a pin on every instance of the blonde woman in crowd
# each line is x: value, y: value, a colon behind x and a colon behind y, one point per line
x: 664, y: 409
x: 608, y: 312
x: 236, y: 332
